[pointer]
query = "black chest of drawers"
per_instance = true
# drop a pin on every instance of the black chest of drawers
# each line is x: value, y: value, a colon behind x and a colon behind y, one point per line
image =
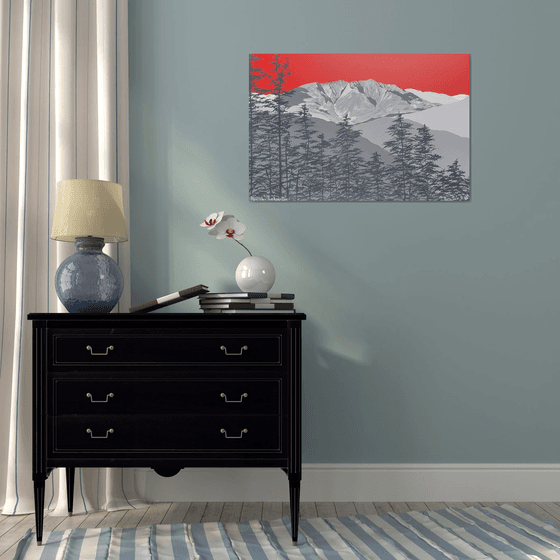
x: 166, y: 391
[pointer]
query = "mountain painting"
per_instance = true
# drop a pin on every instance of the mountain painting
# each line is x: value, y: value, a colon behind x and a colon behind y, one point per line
x: 359, y: 127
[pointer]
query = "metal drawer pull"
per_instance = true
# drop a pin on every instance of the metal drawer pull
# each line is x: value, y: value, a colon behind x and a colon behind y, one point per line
x: 106, y: 398
x: 234, y: 353
x: 243, y: 395
x: 234, y: 437
x: 110, y: 431
x: 99, y: 353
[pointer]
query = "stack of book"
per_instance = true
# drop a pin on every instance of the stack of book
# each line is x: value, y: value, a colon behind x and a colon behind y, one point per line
x: 246, y: 302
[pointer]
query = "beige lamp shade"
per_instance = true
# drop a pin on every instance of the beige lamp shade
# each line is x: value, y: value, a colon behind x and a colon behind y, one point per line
x: 86, y: 207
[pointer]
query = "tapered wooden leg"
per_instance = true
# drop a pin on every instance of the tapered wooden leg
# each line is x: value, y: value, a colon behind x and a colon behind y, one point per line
x: 70, y: 487
x: 294, y: 507
x: 39, y: 488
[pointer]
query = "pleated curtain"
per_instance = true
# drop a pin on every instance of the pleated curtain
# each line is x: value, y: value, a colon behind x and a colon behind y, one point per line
x: 63, y: 115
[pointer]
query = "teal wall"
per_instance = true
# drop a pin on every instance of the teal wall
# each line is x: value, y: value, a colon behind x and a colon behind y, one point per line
x: 433, y: 329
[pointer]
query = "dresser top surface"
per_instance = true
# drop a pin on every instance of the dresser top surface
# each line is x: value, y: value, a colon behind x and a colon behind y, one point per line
x: 167, y: 317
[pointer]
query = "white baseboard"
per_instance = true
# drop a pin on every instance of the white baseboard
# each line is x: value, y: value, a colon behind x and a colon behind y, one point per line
x: 360, y: 483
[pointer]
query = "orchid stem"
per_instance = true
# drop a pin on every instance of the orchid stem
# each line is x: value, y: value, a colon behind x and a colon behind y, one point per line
x: 243, y: 246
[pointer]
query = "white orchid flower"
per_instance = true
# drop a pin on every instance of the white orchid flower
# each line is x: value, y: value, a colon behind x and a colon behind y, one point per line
x: 214, y: 230
x: 230, y: 227
x: 223, y: 226
x: 213, y: 220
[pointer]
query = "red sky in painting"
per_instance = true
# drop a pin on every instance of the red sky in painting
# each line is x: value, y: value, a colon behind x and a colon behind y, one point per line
x: 442, y: 73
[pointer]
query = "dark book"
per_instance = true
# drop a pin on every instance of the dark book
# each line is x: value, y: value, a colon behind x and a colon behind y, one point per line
x: 240, y: 305
x: 249, y: 310
x: 215, y: 301
x: 170, y: 299
x: 280, y: 305
x: 259, y: 295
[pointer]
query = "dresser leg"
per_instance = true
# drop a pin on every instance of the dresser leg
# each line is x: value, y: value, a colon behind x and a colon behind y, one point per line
x: 39, y: 488
x: 70, y: 471
x: 294, y: 507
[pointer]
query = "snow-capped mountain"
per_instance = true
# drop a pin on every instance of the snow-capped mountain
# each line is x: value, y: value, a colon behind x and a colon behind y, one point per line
x: 437, y: 98
x: 368, y: 100
x: 361, y: 100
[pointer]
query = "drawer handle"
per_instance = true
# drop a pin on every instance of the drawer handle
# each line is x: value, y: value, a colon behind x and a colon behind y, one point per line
x: 243, y: 395
x: 106, y: 398
x: 99, y: 353
x: 234, y: 437
x: 234, y: 353
x: 110, y: 431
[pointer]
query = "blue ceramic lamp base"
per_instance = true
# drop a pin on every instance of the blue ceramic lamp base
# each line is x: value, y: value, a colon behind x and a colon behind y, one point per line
x: 89, y: 281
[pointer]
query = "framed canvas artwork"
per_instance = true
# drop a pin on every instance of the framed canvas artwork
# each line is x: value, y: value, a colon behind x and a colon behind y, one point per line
x: 359, y: 127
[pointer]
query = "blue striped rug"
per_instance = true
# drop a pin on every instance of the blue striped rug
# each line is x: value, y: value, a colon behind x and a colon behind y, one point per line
x: 474, y: 533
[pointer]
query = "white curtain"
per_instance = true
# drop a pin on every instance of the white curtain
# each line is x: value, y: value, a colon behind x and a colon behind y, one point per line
x: 63, y: 115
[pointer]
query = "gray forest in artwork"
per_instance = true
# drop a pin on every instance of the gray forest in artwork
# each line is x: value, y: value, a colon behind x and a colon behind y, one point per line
x: 354, y: 141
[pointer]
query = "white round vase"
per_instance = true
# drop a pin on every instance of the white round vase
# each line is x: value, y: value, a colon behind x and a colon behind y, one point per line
x: 255, y: 274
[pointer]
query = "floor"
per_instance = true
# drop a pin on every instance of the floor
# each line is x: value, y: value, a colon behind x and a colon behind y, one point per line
x: 12, y: 528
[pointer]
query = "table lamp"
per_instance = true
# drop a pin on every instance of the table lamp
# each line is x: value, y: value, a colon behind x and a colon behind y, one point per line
x: 89, y: 213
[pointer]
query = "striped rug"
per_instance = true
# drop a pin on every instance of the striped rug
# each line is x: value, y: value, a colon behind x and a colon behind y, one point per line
x: 500, y: 533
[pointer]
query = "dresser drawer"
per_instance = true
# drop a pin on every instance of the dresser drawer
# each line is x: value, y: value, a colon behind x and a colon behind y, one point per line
x: 166, y: 396
x: 86, y: 348
x: 164, y: 433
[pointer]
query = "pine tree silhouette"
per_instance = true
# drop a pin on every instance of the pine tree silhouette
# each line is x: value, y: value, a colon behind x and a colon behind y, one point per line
x: 457, y: 185
x: 425, y: 166
x: 376, y: 173
x: 269, y: 126
x: 278, y: 80
x: 321, y: 165
x: 349, y: 160
x: 302, y: 155
x: 401, y: 147
x: 257, y: 117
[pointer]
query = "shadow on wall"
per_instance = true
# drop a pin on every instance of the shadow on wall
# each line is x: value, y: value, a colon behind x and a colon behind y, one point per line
x: 371, y: 400
x: 149, y: 197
